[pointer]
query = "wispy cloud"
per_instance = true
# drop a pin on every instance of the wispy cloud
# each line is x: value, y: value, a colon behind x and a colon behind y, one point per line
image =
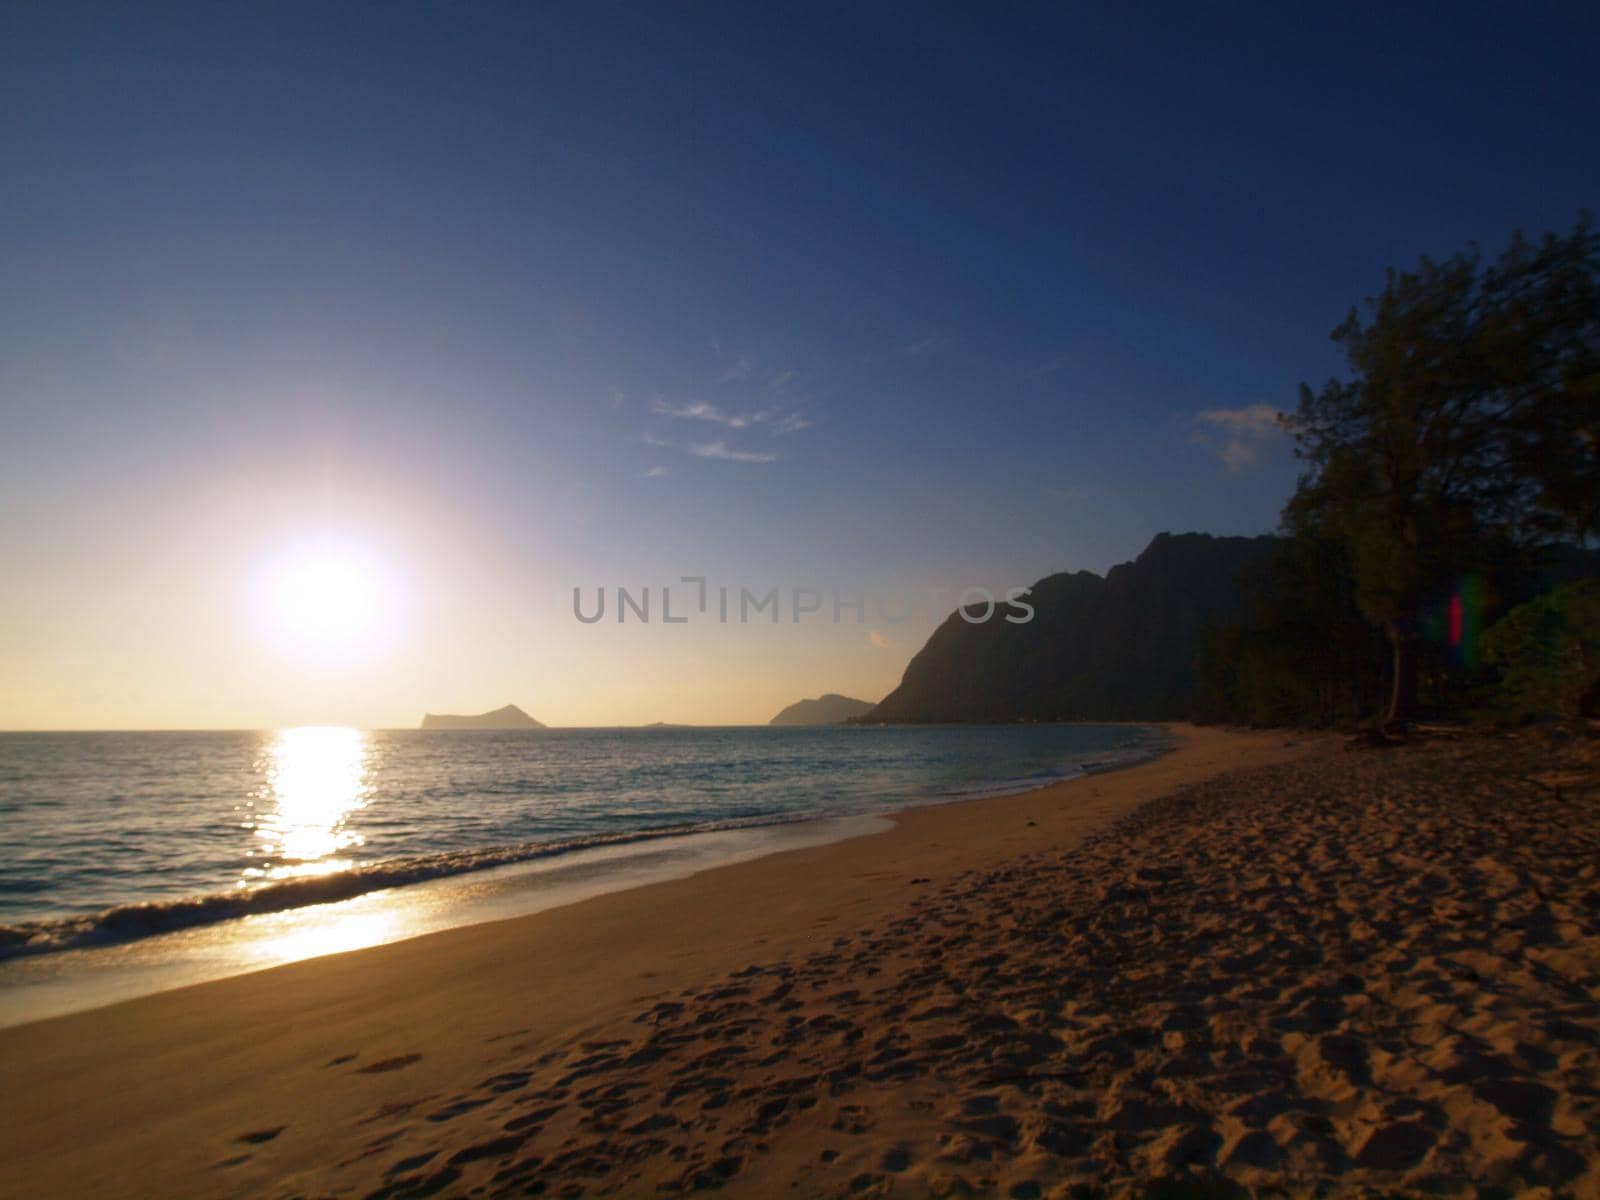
x: 618, y: 397
x: 754, y: 369
x: 774, y: 398
x: 789, y: 423
x: 1048, y: 367
x: 879, y: 640
x: 926, y: 346
x: 777, y: 421
x: 700, y: 410
x: 655, y: 473
x: 1238, y: 435
x: 721, y: 450
x: 1066, y: 494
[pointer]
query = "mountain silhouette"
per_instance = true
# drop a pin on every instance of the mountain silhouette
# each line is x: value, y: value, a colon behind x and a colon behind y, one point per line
x: 828, y: 709
x: 1118, y: 648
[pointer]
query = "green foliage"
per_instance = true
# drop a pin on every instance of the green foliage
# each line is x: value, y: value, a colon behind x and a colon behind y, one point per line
x: 1548, y: 651
x: 1302, y: 655
x: 1470, y: 424
x: 1542, y: 344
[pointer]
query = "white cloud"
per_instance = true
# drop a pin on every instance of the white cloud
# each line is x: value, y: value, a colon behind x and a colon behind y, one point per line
x: 789, y: 423
x: 655, y: 472
x: 775, y: 420
x: 773, y: 404
x: 918, y: 349
x: 878, y: 640
x: 700, y: 410
x: 721, y: 450
x: 1256, y: 421
x: 1238, y: 435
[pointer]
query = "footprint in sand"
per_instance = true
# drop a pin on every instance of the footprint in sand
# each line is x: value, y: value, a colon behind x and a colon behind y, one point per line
x: 258, y: 1136
x: 451, y: 1111
x: 413, y: 1163
x: 510, y: 1081
x: 896, y: 1159
x: 395, y: 1108
x: 389, y: 1064
x: 500, y: 1037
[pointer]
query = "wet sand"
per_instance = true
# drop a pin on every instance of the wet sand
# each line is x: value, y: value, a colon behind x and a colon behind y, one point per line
x: 1260, y: 963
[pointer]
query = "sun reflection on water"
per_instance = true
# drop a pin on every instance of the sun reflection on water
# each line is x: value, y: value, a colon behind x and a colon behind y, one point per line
x: 316, y: 778
x: 311, y: 934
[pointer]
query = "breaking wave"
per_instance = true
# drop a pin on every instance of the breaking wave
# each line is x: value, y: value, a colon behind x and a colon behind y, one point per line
x: 131, y: 921
x: 127, y: 922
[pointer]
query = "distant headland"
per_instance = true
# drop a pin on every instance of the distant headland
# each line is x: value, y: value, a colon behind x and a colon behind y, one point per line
x: 828, y: 709
x: 509, y: 717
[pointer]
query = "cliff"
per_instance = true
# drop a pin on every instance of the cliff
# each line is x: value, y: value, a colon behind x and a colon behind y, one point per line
x: 1118, y: 648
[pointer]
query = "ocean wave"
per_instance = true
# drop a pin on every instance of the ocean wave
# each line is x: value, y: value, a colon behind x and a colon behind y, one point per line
x: 128, y: 922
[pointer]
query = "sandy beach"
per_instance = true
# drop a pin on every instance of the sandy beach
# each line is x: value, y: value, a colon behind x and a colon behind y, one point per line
x: 1262, y: 963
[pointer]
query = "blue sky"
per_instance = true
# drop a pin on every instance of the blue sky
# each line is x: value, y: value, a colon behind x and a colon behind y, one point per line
x: 521, y: 298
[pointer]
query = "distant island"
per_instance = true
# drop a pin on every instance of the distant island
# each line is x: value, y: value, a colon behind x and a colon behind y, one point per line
x: 828, y: 709
x: 509, y: 717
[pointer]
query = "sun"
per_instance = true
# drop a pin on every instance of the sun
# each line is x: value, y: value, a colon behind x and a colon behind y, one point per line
x: 329, y: 598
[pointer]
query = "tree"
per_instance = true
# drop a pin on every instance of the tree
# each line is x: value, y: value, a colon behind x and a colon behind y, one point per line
x: 1466, y: 428
x: 1543, y: 341
x: 1300, y: 654
x: 1548, y: 651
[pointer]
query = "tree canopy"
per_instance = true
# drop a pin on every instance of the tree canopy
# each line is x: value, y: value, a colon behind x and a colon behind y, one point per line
x: 1467, y: 431
x: 1549, y: 652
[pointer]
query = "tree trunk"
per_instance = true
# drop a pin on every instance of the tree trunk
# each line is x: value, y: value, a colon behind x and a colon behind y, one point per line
x: 1403, y: 695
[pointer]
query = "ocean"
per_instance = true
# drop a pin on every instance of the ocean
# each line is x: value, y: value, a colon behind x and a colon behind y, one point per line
x: 130, y: 862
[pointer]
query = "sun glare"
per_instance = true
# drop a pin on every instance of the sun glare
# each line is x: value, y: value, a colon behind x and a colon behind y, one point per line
x: 330, y: 601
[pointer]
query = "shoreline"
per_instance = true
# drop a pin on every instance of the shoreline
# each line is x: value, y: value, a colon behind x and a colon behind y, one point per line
x: 301, y: 1048
x: 203, y: 938
x: 49, y: 984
